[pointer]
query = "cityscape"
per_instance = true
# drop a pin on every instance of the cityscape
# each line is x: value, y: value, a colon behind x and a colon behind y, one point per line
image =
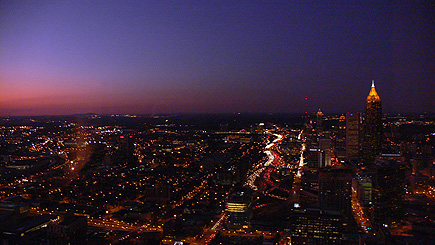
x: 219, y: 178
x: 217, y: 122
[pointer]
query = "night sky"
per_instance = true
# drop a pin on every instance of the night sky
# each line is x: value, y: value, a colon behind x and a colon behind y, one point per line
x: 67, y: 57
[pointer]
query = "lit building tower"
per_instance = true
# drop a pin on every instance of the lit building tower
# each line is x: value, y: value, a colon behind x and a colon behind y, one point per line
x: 238, y: 206
x: 372, y: 140
x: 342, y: 127
x: 319, y: 122
x: 324, y: 153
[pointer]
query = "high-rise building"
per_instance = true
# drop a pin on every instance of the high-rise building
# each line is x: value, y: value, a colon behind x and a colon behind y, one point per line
x: 324, y: 153
x: 335, y: 189
x: 388, y: 190
x: 319, y: 121
x: 352, y: 135
x: 316, y: 226
x: 372, y: 140
x: 125, y: 153
x: 238, y: 206
x: 342, y: 126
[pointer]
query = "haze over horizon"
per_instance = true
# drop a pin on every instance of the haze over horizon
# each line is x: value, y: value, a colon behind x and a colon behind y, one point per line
x: 135, y: 57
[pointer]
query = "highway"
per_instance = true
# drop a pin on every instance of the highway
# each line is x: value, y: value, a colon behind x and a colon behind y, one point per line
x: 259, y: 168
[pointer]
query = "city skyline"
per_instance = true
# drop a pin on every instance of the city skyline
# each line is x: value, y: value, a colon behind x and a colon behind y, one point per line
x: 214, y: 57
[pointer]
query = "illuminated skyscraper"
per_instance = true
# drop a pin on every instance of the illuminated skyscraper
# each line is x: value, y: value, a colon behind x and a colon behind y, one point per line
x: 342, y: 127
x: 324, y: 153
x: 319, y: 121
x: 238, y: 206
x: 372, y: 140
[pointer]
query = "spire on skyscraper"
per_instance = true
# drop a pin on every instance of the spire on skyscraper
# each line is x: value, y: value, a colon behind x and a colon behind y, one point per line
x: 372, y: 142
x: 373, y: 95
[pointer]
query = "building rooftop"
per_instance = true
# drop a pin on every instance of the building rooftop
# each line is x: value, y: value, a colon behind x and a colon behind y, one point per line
x: 373, y: 95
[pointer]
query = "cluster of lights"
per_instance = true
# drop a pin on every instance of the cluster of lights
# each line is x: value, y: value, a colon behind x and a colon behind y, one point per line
x: 261, y: 167
x: 359, y: 214
x: 220, y: 221
x: 253, y: 177
x: 301, y: 161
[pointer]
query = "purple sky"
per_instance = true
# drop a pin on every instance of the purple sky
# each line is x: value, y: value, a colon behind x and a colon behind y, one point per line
x: 65, y: 57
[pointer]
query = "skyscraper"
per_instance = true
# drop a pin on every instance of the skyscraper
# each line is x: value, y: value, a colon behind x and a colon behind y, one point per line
x: 372, y: 140
x: 324, y: 153
x: 238, y: 206
x: 342, y: 127
x: 352, y: 135
x: 335, y: 189
x: 388, y: 177
x: 319, y: 122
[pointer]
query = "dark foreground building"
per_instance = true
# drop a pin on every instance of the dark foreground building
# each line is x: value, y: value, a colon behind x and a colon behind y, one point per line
x: 70, y: 229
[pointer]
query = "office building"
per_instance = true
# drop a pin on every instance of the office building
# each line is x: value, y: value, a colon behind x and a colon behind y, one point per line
x: 324, y: 153
x: 238, y: 205
x: 352, y: 135
x: 335, y: 189
x: 372, y: 140
x: 388, y: 190
x: 319, y: 122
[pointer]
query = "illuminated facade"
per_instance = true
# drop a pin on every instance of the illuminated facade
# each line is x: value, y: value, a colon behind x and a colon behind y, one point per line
x: 238, y: 206
x: 342, y: 126
x: 324, y: 153
x: 314, y: 226
x: 372, y: 140
x: 319, y: 122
